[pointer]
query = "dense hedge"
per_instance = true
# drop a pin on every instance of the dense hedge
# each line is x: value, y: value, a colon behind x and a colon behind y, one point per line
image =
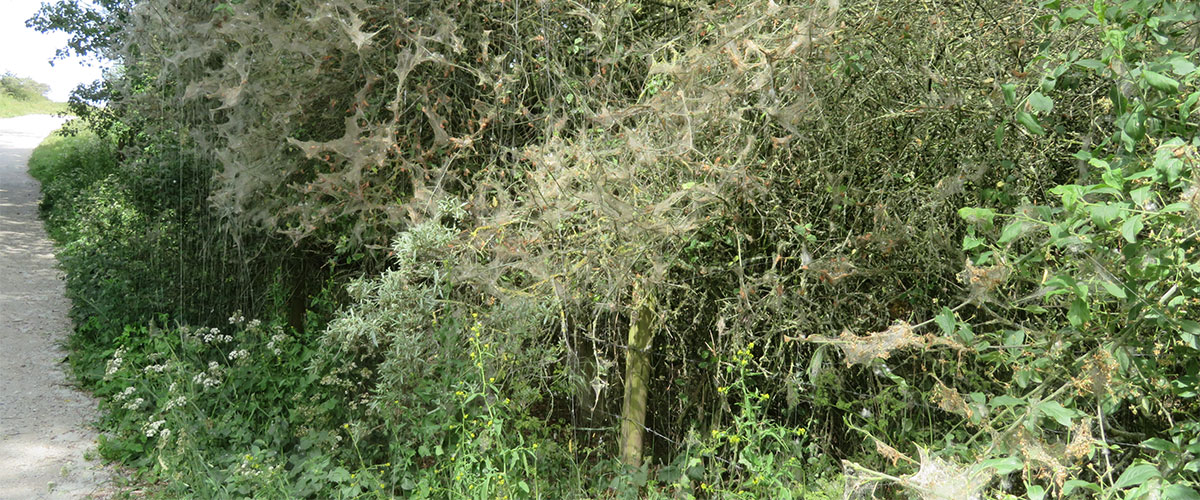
x: 945, y: 251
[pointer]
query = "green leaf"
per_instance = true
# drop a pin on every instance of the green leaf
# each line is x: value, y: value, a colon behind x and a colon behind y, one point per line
x: 1113, y: 289
x: 1030, y: 123
x: 1160, y: 81
x: 945, y: 320
x: 1070, y: 194
x: 1134, y: 126
x: 1160, y: 444
x: 976, y: 215
x: 1079, y: 313
x: 816, y: 364
x: 1190, y: 333
x: 1128, y: 142
x: 1143, y: 174
x: 1040, y: 103
x: 1181, y: 206
x: 1024, y: 377
x: 1091, y: 64
x: 1185, y: 109
x: 1035, y: 491
x: 1181, y: 66
x: 1005, y: 400
x: 1010, y: 94
x: 1103, y: 215
x: 1180, y: 492
x: 1136, y: 475
x: 965, y: 333
x: 1003, y: 466
x: 1011, y: 231
x: 1167, y: 164
x: 1140, y: 195
x: 970, y: 242
x: 1074, y: 14
x: 339, y: 475
x: 1072, y: 484
x: 1131, y: 228
x: 1113, y: 178
x: 524, y: 487
x: 1057, y: 412
x: 1013, y: 338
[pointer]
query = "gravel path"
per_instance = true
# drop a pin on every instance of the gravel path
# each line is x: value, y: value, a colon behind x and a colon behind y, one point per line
x: 44, y: 429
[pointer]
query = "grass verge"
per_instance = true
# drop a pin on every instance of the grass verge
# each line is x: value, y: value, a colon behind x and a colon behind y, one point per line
x: 10, y: 107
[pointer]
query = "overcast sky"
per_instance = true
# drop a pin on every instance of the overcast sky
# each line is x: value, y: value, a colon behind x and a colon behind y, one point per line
x: 27, y: 53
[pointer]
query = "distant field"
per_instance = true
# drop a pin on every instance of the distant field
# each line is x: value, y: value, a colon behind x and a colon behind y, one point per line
x: 10, y: 107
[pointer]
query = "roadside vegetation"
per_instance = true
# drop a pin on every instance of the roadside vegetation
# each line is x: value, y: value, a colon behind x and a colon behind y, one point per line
x: 24, y: 96
x: 731, y: 249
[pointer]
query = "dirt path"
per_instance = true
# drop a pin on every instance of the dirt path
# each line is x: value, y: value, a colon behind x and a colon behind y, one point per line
x: 44, y: 429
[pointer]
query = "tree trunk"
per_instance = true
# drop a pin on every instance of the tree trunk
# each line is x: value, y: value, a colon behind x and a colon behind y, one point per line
x: 301, y: 276
x: 637, y: 381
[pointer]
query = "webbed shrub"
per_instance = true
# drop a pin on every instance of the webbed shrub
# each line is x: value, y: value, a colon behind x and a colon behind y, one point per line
x: 513, y: 181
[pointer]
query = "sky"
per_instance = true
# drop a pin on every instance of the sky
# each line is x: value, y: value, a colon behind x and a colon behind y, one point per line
x: 27, y: 53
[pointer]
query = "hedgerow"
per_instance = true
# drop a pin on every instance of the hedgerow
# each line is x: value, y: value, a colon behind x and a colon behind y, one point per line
x: 647, y: 249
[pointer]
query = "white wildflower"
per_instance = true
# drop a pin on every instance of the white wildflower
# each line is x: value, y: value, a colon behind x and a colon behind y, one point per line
x: 277, y: 339
x: 238, y: 354
x: 153, y: 428
x: 114, y: 364
x: 175, y: 403
x: 254, y: 323
x: 135, y: 404
x: 121, y: 396
x: 154, y: 368
x: 206, y: 380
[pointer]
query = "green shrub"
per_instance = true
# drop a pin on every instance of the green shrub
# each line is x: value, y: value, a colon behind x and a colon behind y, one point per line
x: 67, y: 166
x: 114, y: 252
x: 22, y: 89
x: 1078, y: 309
